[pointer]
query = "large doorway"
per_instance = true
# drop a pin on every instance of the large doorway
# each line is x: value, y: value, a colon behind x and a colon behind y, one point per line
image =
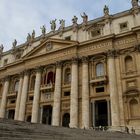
x: 66, y: 120
x: 47, y: 115
x: 11, y: 114
x: 101, y: 113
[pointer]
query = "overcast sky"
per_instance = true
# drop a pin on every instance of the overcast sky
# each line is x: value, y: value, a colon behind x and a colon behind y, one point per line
x: 19, y: 17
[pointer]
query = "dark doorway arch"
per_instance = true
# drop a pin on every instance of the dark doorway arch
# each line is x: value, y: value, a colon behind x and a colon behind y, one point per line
x: 47, y: 115
x: 28, y: 118
x: 66, y: 120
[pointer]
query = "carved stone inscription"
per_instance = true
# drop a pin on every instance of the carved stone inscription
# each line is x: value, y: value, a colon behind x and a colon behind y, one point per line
x: 124, y: 42
x: 95, y: 46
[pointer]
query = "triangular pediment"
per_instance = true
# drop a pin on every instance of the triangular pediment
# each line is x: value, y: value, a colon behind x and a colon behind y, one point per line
x: 49, y: 45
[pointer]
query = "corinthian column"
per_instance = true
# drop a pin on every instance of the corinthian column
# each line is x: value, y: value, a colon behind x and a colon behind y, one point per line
x: 57, y: 97
x: 113, y: 88
x: 74, y: 96
x: 18, y: 97
x: 35, y: 109
x: 4, y: 97
x: 85, y: 94
x: 23, y: 96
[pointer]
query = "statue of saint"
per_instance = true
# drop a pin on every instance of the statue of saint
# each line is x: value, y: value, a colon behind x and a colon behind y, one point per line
x: 33, y: 34
x: 14, y: 43
x: 135, y: 4
x: 74, y: 20
x: 75, y: 25
x: 29, y: 38
x: 106, y: 10
x: 43, y: 29
x: 53, y: 25
x: 85, y: 18
x: 62, y: 24
x: 1, y: 48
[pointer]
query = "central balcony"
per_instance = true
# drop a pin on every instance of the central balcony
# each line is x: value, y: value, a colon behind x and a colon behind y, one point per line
x: 47, y: 87
x: 99, y: 80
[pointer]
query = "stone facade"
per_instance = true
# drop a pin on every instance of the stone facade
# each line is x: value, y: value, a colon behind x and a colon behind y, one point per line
x: 81, y: 76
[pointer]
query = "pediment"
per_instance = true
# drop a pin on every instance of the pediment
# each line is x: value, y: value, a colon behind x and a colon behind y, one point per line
x: 49, y: 45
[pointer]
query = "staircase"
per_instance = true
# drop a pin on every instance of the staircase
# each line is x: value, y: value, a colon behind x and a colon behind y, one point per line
x: 16, y: 130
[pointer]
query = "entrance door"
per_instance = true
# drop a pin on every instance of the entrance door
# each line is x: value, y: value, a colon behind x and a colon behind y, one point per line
x: 47, y: 115
x: 101, y: 114
x: 66, y: 120
x: 11, y: 114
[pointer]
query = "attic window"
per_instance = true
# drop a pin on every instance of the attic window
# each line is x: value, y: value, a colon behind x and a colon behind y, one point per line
x: 5, y: 62
x: 68, y: 38
x: 124, y: 26
x: 95, y: 33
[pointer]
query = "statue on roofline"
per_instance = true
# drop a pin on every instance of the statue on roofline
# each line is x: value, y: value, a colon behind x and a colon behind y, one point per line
x: 1, y: 48
x: 62, y: 24
x: 106, y: 10
x: 85, y: 18
x: 33, y: 34
x: 14, y: 44
x: 53, y: 25
x: 74, y: 20
x: 43, y: 30
x: 29, y: 38
x: 75, y: 25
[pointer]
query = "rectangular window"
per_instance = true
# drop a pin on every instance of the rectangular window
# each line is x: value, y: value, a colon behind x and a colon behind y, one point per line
x: 95, y: 33
x: 31, y: 98
x: 99, y: 89
x: 68, y: 38
x: 67, y: 93
x: 123, y: 26
x: 12, y: 101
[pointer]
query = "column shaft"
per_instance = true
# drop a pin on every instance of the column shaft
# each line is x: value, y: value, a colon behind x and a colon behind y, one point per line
x: 23, y: 97
x: 57, y: 98
x: 113, y: 92
x: 35, y: 108
x: 74, y: 97
x: 18, y: 98
x: 85, y: 96
x: 4, y: 98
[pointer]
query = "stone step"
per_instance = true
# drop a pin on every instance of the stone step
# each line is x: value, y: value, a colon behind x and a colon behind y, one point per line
x: 16, y: 130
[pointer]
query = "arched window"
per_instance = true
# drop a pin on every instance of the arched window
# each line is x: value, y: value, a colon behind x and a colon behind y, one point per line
x: 44, y: 79
x: 16, y: 86
x: 67, y: 76
x: 99, y: 69
x: 50, y: 77
x: 32, y: 86
x: 134, y: 108
x: 128, y: 63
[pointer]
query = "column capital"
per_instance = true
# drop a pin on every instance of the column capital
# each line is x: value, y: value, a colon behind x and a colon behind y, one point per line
x: 74, y: 60
x: 85, y: 59
x: 112, y: 53
x: 26, y: 72
x: 59, y: 64
x: 39, y: 69
x: 7, y: 78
